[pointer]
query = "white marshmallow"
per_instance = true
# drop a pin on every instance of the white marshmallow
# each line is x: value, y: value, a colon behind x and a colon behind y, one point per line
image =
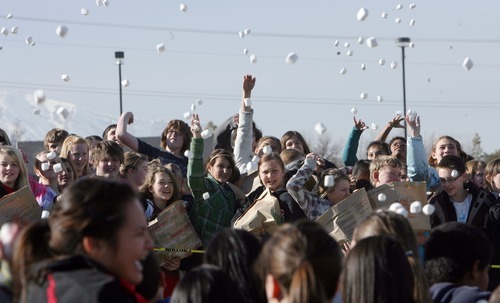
x: 394, y: 64
x: 320, y: 128
x: 399, y: 6
x: 362, y: 14
x: 361, y: 40
x: 428, y: 209
x: 29, y: 40
x: 397, y: 20
x: 160, y: 47
x: 39, y: 96
x: 252, y: 166
x: 347, y: 44
x: 349, y: 52
x: 45, y: 166
x: 98, y: 2
x: 363, y: 66
x: 291, y: 58
x: 253, y: 58
x: 329, y: 181
x: 84, y: 11
x: 193, y: 107
x: 267, y: 150
x: 363, y: 96
x: 343, y: 71
x: 199, y: 102
x: 206, y: 133
x: 45, y: 214
x: 125, y: 83
x: 412, y: 6
x: 412, y: 44
x: 336, y: 43
x: 402, y: 211
x: 454, y: 173
x: 61, y: 111
x: 105, y: 2
x: 188, y: 154
x: 4, y: 31
x: 255, y: 159
x: 384, y: 15
x: 398, y: 113
x: 247, y: 31
x: 245, y: 51
x: 371, y: 42
x: 241, y: 34
x: 412, y: 22
x: 381, y: 61
x: 415, y: 207
x: 187, y: 115
x: 354, y: 111
x: 65, y: 77
x: 395, y: 206
x: 51, y: 155
x: 247, y: 101
x: 183, y: 7
x: 61, y: 31
x: 36, y: 111
x: 374, y: 126
x: 380, y: 99
x: 14, y: 30
x: 57, y: 168
x: 468, y: 64
x: 382, y: 197
x: 9, y: 16
x: 206, y: 196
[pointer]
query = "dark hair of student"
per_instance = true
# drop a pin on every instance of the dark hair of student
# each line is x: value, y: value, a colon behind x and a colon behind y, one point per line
x: 291, y: 133
x: 180, y: 127
x: 106, y: 130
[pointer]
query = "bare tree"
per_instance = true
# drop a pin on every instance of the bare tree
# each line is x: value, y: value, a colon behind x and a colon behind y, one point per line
x: 16, y: 132
x: 325, y: 147
x: 477, y: 151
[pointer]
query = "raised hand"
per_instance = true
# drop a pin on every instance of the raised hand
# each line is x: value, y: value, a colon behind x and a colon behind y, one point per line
x: 413, y: 124
x: 196, y: 126
x: 359, y: 124
x: 396, y: 122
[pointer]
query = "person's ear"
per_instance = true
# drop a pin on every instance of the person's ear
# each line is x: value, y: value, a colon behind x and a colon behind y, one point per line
x: 92, y: 246
x: 376, y: 175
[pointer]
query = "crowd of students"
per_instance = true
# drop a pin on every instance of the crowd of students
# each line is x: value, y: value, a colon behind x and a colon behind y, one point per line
x: 94, y: 245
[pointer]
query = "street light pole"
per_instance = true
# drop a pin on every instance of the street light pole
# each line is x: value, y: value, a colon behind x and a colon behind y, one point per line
x: 119, y: 56
x: 403, y: 42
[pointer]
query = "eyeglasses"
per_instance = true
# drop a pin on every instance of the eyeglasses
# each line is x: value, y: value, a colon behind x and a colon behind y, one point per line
x: 443, y: 181
x: 174, y: 132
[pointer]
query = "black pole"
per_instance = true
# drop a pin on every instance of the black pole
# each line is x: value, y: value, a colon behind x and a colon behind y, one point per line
x: 404, y: 86
x: 120, y: 85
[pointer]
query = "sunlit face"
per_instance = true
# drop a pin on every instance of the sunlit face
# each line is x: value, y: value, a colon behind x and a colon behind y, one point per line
x: 49, y: 174
x: 271, y: 175
x: 162, y: 188
x: 374, y: 151
x: 133, y: 245
x: 388, y: 174
x: 137, y: 175
x: 78, y: 154
x: 111, y: 135
x: 175, y: 140
x: 221, y: 170
x: 340, y: 191
x: 274, y: 147
x: 295, y: 143
x: 9, y: 170
x: 495, y: 182
x: 109, y: 167
x: 398, y: 147
x: 444, y: 147
x: 479, y: 178
x: 66, y: 178
x: 453, y: 186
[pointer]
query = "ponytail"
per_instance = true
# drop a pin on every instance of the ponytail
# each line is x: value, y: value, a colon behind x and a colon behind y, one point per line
x: 304, y: 286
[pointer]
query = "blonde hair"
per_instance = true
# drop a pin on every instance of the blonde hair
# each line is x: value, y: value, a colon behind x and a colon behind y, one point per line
x: 492, y: 169
x: 15, y: 154
x: 153, y: 168
x: 68, y: 143
x: 131, y: 160
x: 383, y: 161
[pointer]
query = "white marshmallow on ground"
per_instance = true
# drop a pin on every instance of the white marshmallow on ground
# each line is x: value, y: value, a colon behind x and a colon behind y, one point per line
x: 45, y: 166
x: 199, y: 102
x: 412, y: 6
x: 29, y: 40
x: 84, y: 11
x: 36, y: 111
x: 61, y: 31
x: 241, y: 34
x: 193, y: 107
x: 183, y: 7
x: 125, y: 83
x: 381, y: 61
x: 187, y: 115
x: 247, y: 31
x: 39, y: 96
x: 51, y: 155
x: 412, y: 22
x: 397, y: 20
x: 9, y: 16
x: 206, y: 196
x: 267, y: 150
x: 349, y: 52
x: 343, y: 71
x: 65, y: 77
x: 45, y: 214
x: 467, y: 64
x: 347, y: 44
x: 4, y: 31
x: 14, y: 30
x: 399, y: 6
x: 380, y: 98
x: 160, y: 47
x: 415, y: 207
x: 374, y: 126
x: 328, y: 181
x: 402, y: 211
x: 253, y: 58
x: 362, y: 14
x: 412, y: 44
x: 428, y: 209
x: 247, y: 101
x: 245, y: 51
x: 361, y: 40
x: 394, y: 64
x: 206, y: 133
x: 291, y: 58
x: 395, y: 206
x: 354, y: 111
x: 61, y: 111
x: 57, y: 168
x: 371, y: 42
x: 336, y: 43
x: 188, y: 154
x: 454, y: 173
x: 382, y: 197
x: 384, y: 15
x: 320, y: 128
x: 363, y: 96
x: 363, y: 66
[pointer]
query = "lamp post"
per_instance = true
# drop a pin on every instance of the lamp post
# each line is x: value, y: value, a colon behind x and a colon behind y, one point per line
x: 403, y: 42
x: 119, y: 56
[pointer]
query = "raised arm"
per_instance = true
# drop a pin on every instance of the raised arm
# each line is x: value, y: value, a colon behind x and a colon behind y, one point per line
x: 123, y: 135
x: 351, y: 147
x: 195, y: 164
x: 418, y: 167
x: 244, y: 132
x: 394, y: 123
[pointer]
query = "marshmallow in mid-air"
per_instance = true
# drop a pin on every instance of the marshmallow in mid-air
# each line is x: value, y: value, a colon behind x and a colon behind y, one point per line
x: 45, y: 214
x: 349, y: 52
x: 65, y: 77
x: 125, y: 83
x: 267, y: 150
x: 160, y: 47
x: 397, y: 20
x: 320, y: 128
x: 394, y: 206
x: 380, y: 98
x: 412, y: 22
x: 183, y: 7
x: 371, y: 42
x: 363, y: 96
x: 241, y: 34
x: 84, y: 11
x: 363, y: 66
x: 30, y: 41
x: 381, y: 61
x: 61, y: 31
x: 14, y: 29
x: 52, y: 155
x: 382, y: 197
x: 206, y: 196
x: 394, y: 64
x: 411, y: 45
x: 252, y: 166
x: 206, y: 133
x: 245, y: 51
x: 354, y: 111
x: 188, y: 154
x: 412, y: 114
x: 454, y: 173
x: 347, y: 44
x: 328, y: 181
x: 253, y: 58
x: 187, y: 115
x: 193, y: 107
x: 336, y: 43
x: 4, y: 31
x: 428, y: 209
x: 412, y: 5
x: 415, y: 207
x: 9, y: 16
x: 399, y: 6
x: 374, y: 126
x: 37, y: 111
x: 384, y: 15
x: 398, y: 113
x: 39, y: 96
x: 361, y: 40
x: 199, y: 102
x: 247, y: 31
x: 343, y: 71
x: 291, y: 58
x: 467, y: 64
x: 61, y: 111
x: 57, y: 168
x: 45, y: 166
x: 362, y: 14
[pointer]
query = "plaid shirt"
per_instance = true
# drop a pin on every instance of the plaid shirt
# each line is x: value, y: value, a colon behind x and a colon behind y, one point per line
x: 214, y: 214
x: 312, y: 205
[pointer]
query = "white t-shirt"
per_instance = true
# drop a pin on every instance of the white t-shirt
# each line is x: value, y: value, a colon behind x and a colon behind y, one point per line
x: 462, y: 208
